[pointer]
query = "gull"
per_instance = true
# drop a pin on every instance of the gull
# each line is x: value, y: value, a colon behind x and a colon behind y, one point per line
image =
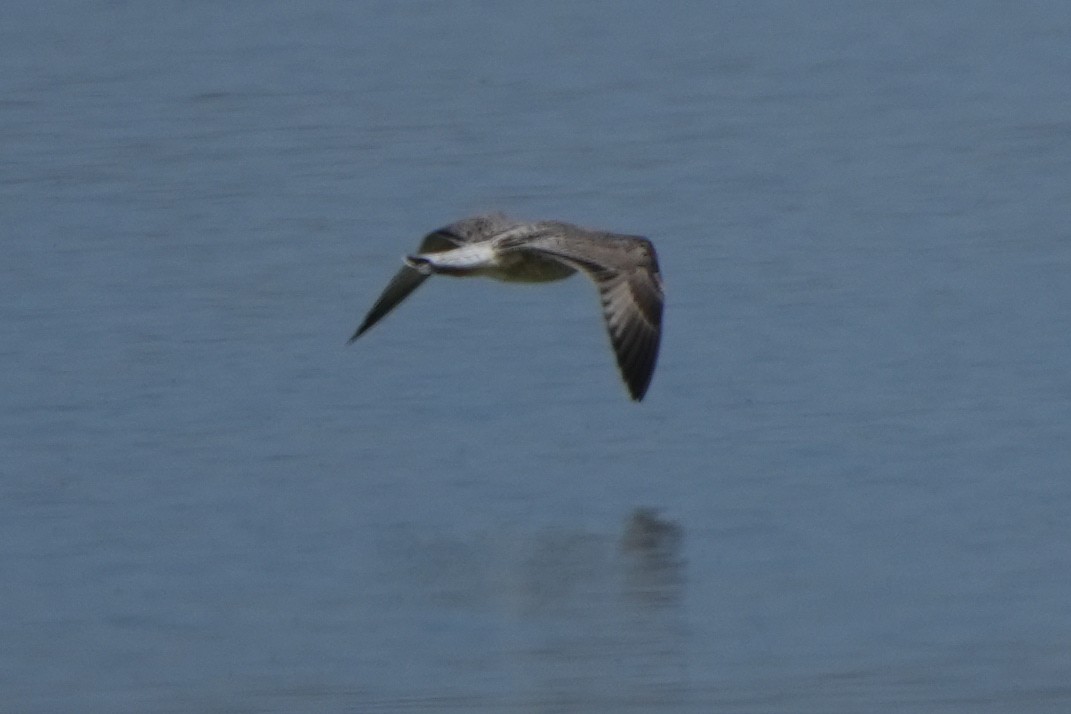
x: 624, y: 268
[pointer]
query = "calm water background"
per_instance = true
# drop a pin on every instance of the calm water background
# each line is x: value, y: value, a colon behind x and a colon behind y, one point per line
x: 860, y: 419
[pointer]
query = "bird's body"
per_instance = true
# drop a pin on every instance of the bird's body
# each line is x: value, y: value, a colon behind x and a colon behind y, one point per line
x: 623, y: 268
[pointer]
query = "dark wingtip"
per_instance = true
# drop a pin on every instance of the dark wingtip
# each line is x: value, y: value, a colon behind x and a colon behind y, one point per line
x: 637, y: 380
x: 360, y: 331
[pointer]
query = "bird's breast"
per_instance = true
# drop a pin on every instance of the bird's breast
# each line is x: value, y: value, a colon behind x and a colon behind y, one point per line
x: 527, y: 268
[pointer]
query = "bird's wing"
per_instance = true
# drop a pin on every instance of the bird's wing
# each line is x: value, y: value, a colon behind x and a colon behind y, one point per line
x: 406, y: 280
x: 625, y: 271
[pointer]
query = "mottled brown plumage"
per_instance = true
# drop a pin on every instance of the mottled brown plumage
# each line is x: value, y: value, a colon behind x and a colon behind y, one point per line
x: 624, y: 269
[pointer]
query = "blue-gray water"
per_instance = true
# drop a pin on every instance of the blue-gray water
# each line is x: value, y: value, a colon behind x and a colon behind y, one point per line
x: 860, y: 419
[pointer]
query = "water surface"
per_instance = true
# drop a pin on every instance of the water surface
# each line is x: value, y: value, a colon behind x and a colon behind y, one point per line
x: 858, y: 423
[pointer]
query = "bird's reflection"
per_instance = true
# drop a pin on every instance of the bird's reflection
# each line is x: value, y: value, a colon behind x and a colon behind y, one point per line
x: 578, y: 617
x: 605, y: 617
x: 651, y: 552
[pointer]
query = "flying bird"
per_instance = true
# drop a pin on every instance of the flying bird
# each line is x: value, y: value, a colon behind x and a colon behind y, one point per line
x: 624, y: 269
